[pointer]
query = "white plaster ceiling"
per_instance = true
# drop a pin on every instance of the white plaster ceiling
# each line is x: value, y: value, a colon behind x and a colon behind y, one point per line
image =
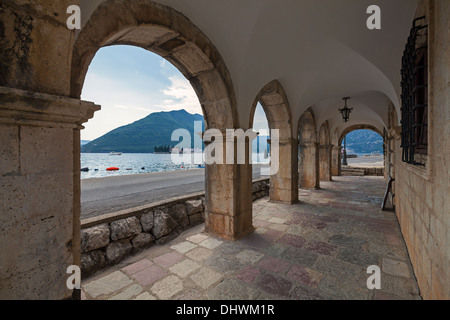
x: 319, y: 50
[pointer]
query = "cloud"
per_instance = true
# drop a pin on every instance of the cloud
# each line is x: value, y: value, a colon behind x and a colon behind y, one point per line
x: 182, y: 96
x: 132, y: 108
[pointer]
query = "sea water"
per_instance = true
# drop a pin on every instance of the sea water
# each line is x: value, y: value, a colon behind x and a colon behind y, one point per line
x: 132, y: 163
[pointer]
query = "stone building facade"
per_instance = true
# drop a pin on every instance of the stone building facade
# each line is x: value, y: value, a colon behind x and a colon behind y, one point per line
x: 289, y: 56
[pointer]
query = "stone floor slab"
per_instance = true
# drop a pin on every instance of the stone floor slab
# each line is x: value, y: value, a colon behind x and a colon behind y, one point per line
x: 149, y: 275
x: 167, y: 287
x: 305, y: 276
x: 184, y: 268
x: 184, y: 247
x: 129, y: 293
x: 197, y: 238
x: 248, y: 274
x: 395, y: 268
x: 232, y: 289
x: 249, y: 256
x: 108, y: 284
x: 274, y: 264
x: 138, y: 266
x: 199, y: 254
x: 206, y: 277
x: 276, y: 286
x: 211, y: 243
x: 169, y: 259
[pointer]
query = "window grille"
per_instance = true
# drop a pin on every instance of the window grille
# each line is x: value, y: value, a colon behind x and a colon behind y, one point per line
x: 415, y: 94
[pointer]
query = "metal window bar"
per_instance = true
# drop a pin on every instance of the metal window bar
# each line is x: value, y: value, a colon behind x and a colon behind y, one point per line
x: 414, y: 95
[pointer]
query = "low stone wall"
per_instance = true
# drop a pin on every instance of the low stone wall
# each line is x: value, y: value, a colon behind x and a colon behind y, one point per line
x: 108, y: 239
x: 374, y: 171
x: 360, y: 171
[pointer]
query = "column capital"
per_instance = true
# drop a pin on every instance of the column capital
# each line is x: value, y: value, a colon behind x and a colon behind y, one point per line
x: 43, y: 110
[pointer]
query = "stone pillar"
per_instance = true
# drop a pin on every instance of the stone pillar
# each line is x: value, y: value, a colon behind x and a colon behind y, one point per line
x: 284, y: 183
x: 325, y: 162
x: 39, y: 207
x: 336, y: 161
x: 308, y: 166
x: 228, y: 197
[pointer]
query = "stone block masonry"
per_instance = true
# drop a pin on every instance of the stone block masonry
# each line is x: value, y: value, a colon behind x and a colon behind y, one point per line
x: 108, y: 239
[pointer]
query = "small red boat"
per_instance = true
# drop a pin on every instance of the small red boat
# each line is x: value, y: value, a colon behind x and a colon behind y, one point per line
x: 112, y: 169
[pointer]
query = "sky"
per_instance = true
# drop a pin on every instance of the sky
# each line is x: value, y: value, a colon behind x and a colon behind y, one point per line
x: 130, y: 83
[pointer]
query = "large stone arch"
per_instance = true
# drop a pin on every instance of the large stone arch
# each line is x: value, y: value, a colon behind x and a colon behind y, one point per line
x: 284, y: 182
x: 325, y: 152
x: 308, y: 163
x: 170, y: 34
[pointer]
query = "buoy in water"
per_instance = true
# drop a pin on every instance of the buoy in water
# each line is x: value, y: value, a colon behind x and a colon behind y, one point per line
x: 112, y: 169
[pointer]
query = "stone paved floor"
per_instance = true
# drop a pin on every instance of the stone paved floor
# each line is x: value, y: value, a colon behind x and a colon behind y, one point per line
x: 317, y: 249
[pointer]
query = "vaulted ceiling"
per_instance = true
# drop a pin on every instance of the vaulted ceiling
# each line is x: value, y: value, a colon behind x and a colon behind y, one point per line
x: 318, y: 50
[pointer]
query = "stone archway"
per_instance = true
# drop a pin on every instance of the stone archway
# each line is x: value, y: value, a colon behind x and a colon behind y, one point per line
x: 283, y: 184
x: 325, y: 149
x: 173, y: 36
x: 308, y: 164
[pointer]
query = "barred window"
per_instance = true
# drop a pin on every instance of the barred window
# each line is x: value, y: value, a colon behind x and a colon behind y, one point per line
x: 415, y: 94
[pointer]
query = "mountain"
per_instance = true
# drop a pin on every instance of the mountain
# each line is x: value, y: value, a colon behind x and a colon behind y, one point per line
x: 144, y: 135
x: 83, y: 142
x: 364, y: 141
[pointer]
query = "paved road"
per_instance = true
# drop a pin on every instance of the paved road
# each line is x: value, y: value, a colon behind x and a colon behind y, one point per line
x: 110, y: 194
x: 372, y: 161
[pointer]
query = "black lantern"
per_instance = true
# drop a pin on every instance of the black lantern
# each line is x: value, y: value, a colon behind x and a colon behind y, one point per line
x: 346, y: 110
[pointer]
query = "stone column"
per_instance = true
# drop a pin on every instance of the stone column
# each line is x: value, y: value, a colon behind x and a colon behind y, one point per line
x: 284, y: 181
x: 325, y: 162
x: 336, y: 161
x: 308, y: 166
x: 228, y: 197
x: 39, y: 182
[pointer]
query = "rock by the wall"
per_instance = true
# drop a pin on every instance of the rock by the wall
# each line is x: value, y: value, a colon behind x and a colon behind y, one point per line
x: 194, y: 206
x: 147, y: 221
x: 142, y: 241
x: 92, y: 262
x: 95, y: 238
x: 118, y: 250
x: 179, y: 214
x: 164, y: 224
x: 125, y: 228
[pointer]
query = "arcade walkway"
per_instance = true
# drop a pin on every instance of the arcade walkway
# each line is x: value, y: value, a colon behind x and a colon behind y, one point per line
x: 318, y: 249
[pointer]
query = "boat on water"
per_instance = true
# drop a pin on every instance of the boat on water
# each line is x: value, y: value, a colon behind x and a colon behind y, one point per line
x: 113, y: 153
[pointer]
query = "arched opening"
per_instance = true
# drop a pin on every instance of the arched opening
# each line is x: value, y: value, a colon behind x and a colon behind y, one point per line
x: 144, y: 99
x: 261, y: 146
x: 308, y: 164
x: 363, y: 146
x: 284, y: 176
x: 168, y: 33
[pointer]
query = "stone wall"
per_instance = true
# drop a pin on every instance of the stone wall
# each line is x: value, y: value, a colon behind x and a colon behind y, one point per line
x: 109, y: 239
x: 422, y: 193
